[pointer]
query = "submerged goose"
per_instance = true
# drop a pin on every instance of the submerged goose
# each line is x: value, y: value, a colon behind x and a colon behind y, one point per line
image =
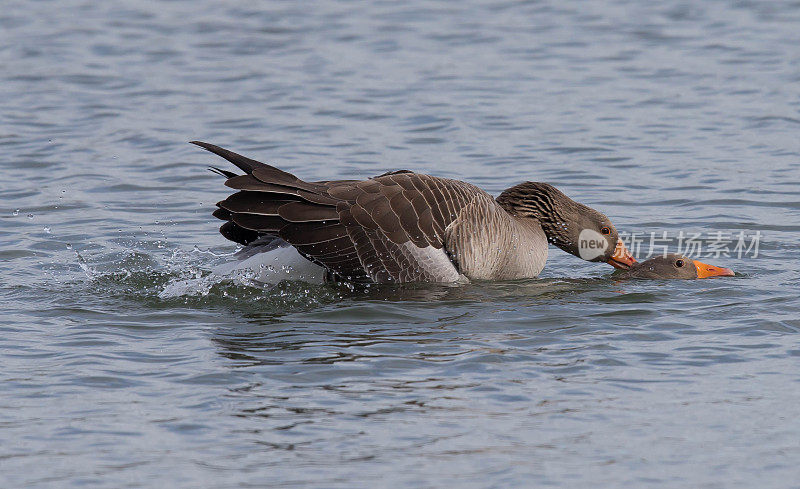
x: 404, y: 226
x: 672, y: 266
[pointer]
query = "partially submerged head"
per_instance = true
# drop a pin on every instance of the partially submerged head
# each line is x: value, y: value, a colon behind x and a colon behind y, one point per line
x: 674, y: 266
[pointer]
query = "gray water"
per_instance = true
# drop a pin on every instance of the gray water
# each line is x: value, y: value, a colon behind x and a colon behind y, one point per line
x: 670, y: 116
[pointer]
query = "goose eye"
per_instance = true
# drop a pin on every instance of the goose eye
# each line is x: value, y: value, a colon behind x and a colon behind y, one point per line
x: 605, y: 230
x: 679, y: 263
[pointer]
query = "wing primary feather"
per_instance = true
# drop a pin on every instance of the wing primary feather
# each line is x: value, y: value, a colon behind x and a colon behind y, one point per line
x: 242, y: 162
x: 237, y: 234
x: 220, y: 171
x: 254, y: 222
x: 221, y: 213
x: 305, y: 212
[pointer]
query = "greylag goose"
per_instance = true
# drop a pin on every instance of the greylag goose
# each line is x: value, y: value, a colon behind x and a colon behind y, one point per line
x: 408, y: 227
x: 672, y: 266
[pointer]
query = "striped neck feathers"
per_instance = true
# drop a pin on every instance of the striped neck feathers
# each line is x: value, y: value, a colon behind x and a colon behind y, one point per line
x: 557, y: 214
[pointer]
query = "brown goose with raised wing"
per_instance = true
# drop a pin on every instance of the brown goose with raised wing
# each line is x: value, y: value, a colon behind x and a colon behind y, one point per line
x: 408, y: 227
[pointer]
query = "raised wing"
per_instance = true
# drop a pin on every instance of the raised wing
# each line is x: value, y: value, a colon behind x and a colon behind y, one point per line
x: 391, y: 228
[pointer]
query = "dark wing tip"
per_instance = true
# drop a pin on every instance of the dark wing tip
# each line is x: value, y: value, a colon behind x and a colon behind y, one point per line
x: 244, y: 163
x: 220, y: 171
x: 210, y: 147
x: 394, y: 172
x: 217, y: 150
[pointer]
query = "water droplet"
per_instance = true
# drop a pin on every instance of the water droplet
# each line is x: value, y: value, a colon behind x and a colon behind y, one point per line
x: 30, y: 216
x: 16, y: 212
x: 69, y: 246
x: 47, y: 230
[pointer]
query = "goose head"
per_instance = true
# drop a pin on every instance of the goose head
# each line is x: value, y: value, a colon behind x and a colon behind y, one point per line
x: 575, y: 228
x: 672, y: 266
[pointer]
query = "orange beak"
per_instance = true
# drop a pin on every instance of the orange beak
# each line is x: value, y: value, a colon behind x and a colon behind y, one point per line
x: 621, y: 258
x: 706, y: 271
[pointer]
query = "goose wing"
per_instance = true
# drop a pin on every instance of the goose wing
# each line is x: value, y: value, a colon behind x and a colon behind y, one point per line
x: 390, y: 228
